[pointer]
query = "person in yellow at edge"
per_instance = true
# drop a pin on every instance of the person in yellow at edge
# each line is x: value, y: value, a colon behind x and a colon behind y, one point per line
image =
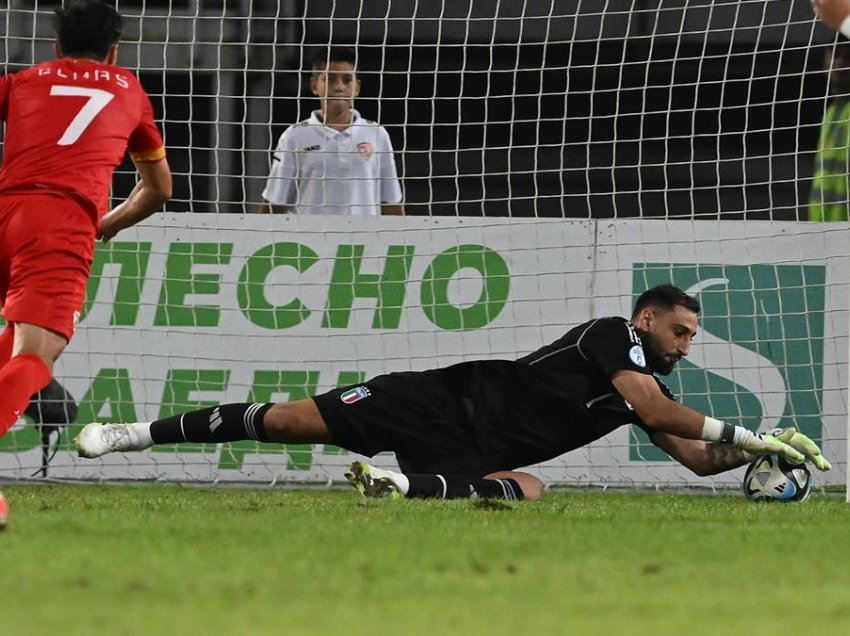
x: 828, y: 198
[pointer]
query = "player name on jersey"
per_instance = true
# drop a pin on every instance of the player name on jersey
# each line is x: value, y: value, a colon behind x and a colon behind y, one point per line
x: 94, y: 75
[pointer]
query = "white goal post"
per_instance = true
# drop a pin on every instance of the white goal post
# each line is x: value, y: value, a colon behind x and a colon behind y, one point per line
x: 556, y: 159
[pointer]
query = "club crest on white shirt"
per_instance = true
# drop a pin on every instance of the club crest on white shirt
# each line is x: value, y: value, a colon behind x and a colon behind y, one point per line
x: 365, y: 150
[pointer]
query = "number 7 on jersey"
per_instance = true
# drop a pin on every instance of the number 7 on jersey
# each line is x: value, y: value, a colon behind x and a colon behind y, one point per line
x: 98, y: 99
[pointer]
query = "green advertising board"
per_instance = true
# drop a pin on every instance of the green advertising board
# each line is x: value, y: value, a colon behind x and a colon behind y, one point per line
x: 762, y: 327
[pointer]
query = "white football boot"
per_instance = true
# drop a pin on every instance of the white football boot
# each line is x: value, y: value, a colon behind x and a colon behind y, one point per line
x: 95, y: 439
x: 374, y: 482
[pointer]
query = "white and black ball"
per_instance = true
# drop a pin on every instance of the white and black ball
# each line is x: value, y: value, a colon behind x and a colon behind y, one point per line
x: 773, y: 478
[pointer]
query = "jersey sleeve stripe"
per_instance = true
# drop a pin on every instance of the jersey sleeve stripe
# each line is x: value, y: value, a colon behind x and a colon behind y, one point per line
x: 552, y: 353
x: 150, y: 155
x: 583, y: 334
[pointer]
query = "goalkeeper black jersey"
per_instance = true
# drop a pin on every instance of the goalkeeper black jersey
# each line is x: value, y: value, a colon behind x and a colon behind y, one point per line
x: 557, y: 398
x: 486, y: 415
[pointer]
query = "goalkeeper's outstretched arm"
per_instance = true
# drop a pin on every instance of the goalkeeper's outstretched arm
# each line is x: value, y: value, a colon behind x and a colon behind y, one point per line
x: 663, y: 415
x: 702, y: 458
x: 710, y: 458
x: 705, y: 445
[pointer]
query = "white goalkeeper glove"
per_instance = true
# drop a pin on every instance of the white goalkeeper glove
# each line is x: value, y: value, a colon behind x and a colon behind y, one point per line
x: 766, y: 444
x: 803, y: 444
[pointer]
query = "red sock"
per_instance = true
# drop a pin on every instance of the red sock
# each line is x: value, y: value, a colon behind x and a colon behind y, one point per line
x: 7, y: 339
x: 19, y: 378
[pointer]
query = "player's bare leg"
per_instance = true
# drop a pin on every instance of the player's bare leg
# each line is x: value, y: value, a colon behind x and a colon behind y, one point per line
x: 28, y: 370
x: 532, y: 488
x: 7, y: 340
x: 296, y: 422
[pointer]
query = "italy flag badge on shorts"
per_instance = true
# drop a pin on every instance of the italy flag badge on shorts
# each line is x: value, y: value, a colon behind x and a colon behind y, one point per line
x: 354, y: 395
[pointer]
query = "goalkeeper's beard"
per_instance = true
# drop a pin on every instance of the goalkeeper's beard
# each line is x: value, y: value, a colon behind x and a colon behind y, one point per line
x: 658, y: 361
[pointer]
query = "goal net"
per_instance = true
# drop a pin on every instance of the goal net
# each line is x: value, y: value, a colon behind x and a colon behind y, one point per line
x: 556, y: 159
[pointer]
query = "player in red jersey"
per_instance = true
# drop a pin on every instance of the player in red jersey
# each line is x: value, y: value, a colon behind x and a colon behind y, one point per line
x: 69, y: 123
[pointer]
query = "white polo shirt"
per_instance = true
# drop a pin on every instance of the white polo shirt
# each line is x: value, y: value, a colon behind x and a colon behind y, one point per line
x: 319, y: 170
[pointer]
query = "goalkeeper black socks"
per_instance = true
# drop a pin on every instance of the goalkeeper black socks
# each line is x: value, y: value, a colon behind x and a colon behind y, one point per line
x: 462, y: 487
x: 224, y: 423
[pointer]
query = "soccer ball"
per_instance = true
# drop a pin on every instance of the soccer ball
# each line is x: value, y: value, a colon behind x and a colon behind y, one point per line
x: 772, y: 478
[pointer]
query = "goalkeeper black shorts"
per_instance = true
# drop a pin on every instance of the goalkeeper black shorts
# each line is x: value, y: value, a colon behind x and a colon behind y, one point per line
x: 419, y: 415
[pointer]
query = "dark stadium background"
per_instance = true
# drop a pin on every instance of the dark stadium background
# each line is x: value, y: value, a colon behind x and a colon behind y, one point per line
x: 700, y: 109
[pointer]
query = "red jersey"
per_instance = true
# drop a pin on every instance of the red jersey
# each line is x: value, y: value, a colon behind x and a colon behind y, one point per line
x: 69, y: 123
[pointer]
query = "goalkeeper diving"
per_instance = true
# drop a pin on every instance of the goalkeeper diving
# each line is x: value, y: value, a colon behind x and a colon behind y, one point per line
x: 465, y: 430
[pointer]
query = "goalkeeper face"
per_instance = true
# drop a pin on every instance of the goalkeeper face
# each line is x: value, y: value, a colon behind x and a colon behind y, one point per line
x: 666, y: 335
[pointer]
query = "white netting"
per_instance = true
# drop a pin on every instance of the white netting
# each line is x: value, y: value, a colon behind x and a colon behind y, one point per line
x: 527, y: 109
x: 628, y: 142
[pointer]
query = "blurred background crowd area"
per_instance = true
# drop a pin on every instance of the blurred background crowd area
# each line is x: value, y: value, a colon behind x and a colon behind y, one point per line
x: 704, y: 109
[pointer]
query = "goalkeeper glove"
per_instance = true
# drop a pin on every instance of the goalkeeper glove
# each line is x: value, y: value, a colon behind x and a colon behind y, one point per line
x: 802, y: 443
x: 752, y: 444
x: 765, y: 444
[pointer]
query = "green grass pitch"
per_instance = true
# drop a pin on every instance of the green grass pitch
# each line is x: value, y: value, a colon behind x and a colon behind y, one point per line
x: 158, y: 559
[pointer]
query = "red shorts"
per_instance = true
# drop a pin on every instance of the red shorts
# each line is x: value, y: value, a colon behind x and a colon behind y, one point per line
x: 46, y: 249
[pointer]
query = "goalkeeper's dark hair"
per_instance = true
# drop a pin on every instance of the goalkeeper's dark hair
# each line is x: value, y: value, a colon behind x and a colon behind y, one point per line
x: 327, y: 54
x: 665, y: 297
x: 87, y: 28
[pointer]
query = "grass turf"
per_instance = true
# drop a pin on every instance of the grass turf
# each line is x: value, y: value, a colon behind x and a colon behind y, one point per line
x: 169, y: 559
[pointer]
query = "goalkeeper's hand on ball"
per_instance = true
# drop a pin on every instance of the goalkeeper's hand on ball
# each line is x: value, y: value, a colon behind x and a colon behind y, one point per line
x: 803, y: 444
x: 767, y: 444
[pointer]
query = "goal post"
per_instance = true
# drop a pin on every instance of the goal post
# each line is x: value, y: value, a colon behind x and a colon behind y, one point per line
x: 253, y: 308
x: 556, y: 159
